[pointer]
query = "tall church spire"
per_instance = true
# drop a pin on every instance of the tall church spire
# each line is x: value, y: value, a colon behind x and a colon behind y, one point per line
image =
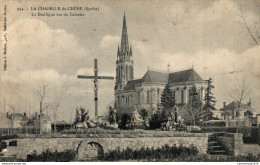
x: 124, y: 63
x: 124, y: 39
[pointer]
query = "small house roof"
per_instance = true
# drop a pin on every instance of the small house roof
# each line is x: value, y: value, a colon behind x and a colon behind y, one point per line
x: 233, y: 105
x: 18, y: 116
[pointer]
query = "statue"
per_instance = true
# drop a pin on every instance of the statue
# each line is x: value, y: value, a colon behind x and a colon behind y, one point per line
x: 114, y: 113
x: 171, y: 116
x: 176, y: 113
x: 136, y: 118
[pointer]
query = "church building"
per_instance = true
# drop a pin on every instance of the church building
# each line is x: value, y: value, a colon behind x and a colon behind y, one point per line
x: 145, y: 93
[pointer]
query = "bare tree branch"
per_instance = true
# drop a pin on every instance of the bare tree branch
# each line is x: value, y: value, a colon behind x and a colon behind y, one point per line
x: 40, y: 93
x: 246, y: 25
x: 239, y: 93
x: 256, y: 31
x: 56, y: 105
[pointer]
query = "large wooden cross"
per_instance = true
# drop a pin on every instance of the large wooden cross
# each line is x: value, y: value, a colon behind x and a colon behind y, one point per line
x: 96, y: 78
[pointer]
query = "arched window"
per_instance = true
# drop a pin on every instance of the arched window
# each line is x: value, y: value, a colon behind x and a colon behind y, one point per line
x: 190, y: 94
x: 199, y: 93
x: 158, y: 96
x: 182, y: 96
x: 173, y: 94
x: 139, y: 97
x: 126, y: 72
x: 148, y: 97
x: 131, y: 72
x: 122, y: 100
x: 121, y: 73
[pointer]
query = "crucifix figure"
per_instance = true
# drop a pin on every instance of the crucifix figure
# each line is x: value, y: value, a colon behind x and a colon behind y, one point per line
x: 95, y: 80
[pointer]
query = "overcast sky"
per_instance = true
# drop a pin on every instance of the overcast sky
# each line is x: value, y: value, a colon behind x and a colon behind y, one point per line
x: 208, y: 34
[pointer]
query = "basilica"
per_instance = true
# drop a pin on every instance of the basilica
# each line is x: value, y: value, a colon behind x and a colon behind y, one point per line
x: 145, y: 93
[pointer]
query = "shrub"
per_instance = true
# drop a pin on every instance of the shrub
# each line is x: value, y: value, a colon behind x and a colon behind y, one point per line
x: 214, y: 158
x: 125, y: 118
x: 165, y: 152
x: 156, y: 121
x: 51, y: 156
x: 6, y: 137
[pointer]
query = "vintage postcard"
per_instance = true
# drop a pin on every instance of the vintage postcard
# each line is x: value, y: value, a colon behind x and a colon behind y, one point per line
x: 127, y: 81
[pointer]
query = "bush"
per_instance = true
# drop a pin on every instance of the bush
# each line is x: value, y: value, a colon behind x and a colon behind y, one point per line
x: 156, y: 121
x: 6, y: 137
x: 213, y: 158
x: 51, y: 156
x: 165, y: 152
x: 125, y: 119
x: 252, y: 136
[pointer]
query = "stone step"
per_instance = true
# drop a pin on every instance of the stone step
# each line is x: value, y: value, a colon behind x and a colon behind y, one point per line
x: 218, y: 151
x: 215, y: 147
x: 213, y: 143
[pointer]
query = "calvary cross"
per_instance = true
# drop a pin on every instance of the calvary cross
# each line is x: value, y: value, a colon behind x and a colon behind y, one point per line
x: 95, y: 78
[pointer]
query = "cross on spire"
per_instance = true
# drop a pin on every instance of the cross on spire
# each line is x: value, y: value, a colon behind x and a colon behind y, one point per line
x: 96, y: 78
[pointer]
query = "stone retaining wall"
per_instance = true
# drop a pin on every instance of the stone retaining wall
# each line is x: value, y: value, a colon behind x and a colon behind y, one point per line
x: 234, y: 144
x: 28, y: 145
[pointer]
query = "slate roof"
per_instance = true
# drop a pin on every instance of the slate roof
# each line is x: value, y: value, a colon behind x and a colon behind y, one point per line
x: 160, y: 77
x: 154, y: 76
x: 185, y: 75
x: 131, y: 84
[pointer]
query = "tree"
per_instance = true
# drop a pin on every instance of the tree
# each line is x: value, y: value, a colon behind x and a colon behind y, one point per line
x: 144, y: 114
x: 40, y: 93
x: 239, y: 92
x: 193, y: 108
x: 56, y: 105
x: 253, y: 34
x: 167, y: 101
x: 156, y: 120
x: 210, y: 101
x: 81, y: 115
x: 125, y: 118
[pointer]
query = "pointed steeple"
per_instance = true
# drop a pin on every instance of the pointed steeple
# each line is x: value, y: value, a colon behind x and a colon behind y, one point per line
x: 130, y: 53
x: 124, y: 39
x: 118, y: 51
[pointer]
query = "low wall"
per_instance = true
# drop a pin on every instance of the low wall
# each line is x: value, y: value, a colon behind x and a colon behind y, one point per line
x: 235, y: 146
x: 84, y: 146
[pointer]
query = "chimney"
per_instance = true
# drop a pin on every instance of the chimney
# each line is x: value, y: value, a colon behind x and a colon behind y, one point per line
x: 7, y: 114
x: 249, y: 102
x: 224, y: 104
x: 24, y: 114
